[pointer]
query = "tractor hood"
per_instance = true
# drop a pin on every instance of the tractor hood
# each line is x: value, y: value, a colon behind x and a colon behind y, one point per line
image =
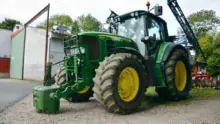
x: 103, y: 35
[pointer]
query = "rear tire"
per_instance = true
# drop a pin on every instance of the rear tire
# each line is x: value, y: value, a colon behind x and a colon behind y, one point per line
x: 82, y: 96
x: 178, y: 76
x: 117, y: 92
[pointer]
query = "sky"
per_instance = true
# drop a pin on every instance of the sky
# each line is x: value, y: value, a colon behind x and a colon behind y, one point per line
x: 23, y: 10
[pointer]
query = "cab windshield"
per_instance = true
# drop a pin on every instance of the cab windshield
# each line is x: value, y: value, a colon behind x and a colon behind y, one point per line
x: 133, y: 28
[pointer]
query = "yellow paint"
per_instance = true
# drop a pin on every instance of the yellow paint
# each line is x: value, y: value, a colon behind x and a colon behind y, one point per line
x: 128, y: 84
x: 86, y: 88
x: 180, y: 75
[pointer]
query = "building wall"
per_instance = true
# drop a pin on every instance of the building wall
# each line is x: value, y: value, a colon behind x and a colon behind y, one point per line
x: 34, y: 54
x: 5, y: 43
x: 56, y: 52
x: 34, y: 59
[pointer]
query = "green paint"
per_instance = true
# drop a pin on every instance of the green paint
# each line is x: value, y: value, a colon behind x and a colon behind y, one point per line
x: 67, y: 89
x: 75, y: 65
x: 42, y: 101
x: 17, y: 48
x: 87, y: 66
x: 103, y: 35
x: 159, y: 75
x: 86, y: 69
x: 162, y: 51
x: 158, y: 70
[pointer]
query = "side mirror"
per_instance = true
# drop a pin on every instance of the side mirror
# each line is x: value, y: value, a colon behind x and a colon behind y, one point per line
x: 158, y: 10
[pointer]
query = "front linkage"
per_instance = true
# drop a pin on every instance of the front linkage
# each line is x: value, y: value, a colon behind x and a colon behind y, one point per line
x: 46, y: 98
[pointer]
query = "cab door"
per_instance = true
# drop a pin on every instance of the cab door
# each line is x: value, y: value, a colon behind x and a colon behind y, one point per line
x: 156, y: 32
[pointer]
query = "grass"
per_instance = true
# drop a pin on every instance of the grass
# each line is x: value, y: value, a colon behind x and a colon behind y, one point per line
x: 195, y: 94
x: 203, y: 94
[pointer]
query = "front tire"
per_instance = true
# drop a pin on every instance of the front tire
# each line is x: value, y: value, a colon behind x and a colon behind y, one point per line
x: 120, y: 83
x: 178, y: 76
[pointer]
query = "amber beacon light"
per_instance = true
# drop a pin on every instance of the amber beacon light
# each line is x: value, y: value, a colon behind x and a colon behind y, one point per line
x: 148, y: 5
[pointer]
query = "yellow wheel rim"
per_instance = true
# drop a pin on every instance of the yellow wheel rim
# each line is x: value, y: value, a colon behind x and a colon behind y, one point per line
x: 84, y: 90
x: 128, y: 84
x: 180, y: 75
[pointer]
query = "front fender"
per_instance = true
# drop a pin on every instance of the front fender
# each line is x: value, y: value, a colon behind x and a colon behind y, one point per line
x: 148, y: 61
x: 129, y: 50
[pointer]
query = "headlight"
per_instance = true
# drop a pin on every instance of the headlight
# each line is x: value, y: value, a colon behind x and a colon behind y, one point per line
x: 76, y: 50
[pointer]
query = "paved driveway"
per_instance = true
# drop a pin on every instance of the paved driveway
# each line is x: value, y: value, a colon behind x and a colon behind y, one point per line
x: 12, y: 90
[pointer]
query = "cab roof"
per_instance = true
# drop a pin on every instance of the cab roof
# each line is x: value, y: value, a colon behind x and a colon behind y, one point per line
x: 141, y: 12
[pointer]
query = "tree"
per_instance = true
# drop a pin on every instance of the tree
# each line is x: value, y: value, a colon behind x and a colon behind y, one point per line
x: 202, y: 22
x: 88, y: 23
x: 214, y: 59
x: 210, y: 44
x: 75, y: 27
x: 9, y: 23
x: 81, y: 24
x: 57, y: 20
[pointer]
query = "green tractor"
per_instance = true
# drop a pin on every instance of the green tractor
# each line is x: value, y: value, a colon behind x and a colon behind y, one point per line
x: 117, y: 67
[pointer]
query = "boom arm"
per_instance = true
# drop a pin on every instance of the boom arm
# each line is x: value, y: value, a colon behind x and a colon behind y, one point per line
x: 178, y: 13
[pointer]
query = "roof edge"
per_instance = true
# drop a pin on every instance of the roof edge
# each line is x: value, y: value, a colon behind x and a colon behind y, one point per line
x: 16, y: 33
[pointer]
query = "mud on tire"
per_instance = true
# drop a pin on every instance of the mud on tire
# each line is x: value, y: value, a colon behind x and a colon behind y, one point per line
x: 106, y: 83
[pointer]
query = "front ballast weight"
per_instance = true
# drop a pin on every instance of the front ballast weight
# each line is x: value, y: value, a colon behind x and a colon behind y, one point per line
x: 46, y: 97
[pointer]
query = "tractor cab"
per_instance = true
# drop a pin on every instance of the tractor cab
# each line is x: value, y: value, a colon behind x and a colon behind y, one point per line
x: 147, y: 30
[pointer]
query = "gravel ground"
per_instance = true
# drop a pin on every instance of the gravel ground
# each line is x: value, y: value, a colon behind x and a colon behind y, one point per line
x: 197, y: 112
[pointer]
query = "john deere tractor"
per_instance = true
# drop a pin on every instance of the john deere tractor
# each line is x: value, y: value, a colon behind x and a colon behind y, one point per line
x: 117, y: 67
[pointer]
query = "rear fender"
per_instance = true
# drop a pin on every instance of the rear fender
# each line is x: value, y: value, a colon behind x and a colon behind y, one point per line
x: 165, y: 49
x: 170, y: 48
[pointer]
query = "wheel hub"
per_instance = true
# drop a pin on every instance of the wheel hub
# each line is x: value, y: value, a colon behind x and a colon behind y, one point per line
x: 180, y: 75
x: 128, y: 84
x: 84, y: 90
